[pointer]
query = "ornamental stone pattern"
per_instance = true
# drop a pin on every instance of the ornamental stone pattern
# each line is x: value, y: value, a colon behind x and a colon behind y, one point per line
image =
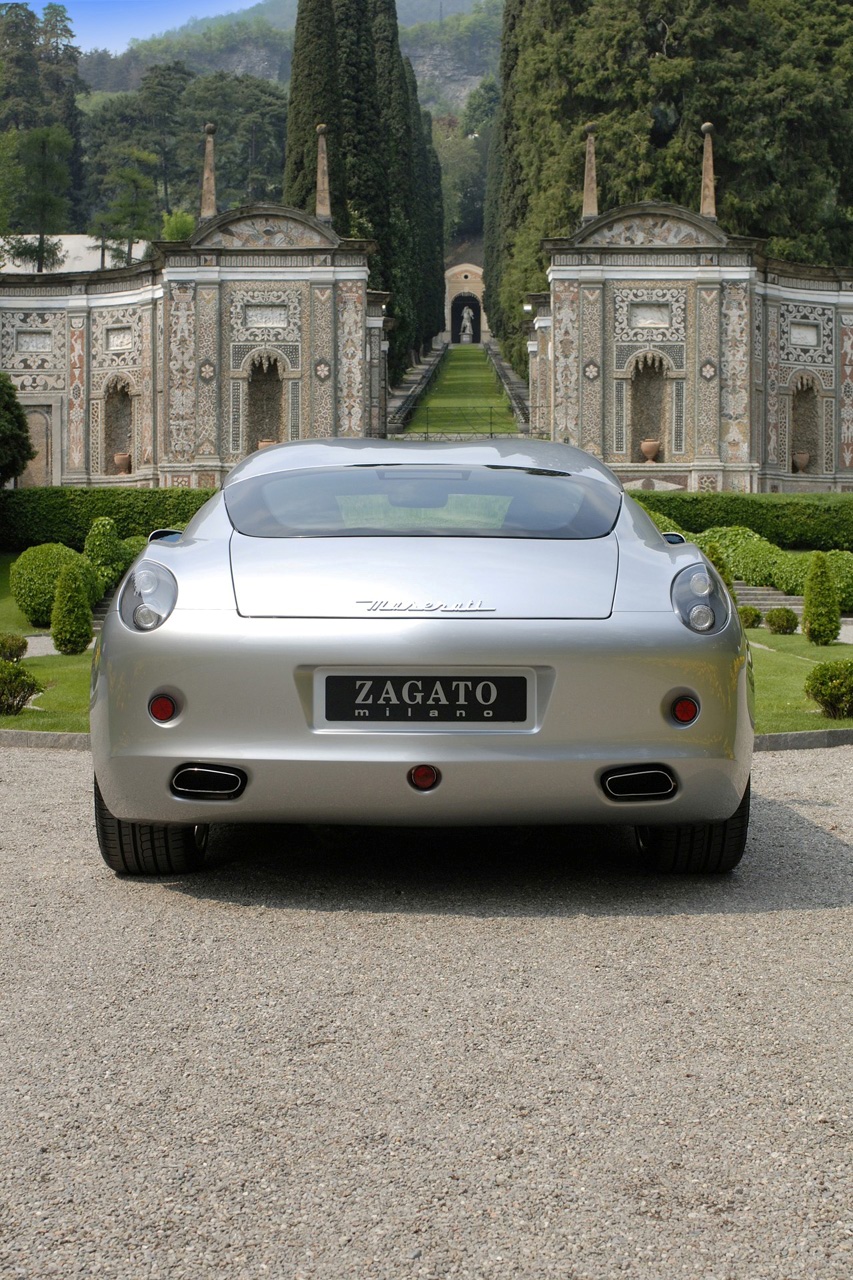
x: 352, y: 313
x: 182, y: 367
x: 708, y: 387
x: 845, y: 450
x: 566, y: 362
x: 77, y: 394
x: 592, y: 400
x: 734, y: 374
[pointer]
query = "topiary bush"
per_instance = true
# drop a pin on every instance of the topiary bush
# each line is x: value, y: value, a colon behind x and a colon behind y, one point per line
x: 750, y: 616
x: 821, y: 615
x: 782, y: 622
x: 71, y: 617
x: 830, y: 685
x: 29, y: 517
x: 33, y: 577
x: 138, y: 542
x: 17, y: 686
x: 106, y: 551
x: 12, y: 646
x: 811, y: 521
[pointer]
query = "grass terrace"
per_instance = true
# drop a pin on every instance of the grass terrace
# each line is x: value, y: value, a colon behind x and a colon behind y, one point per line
x: 466, y: 397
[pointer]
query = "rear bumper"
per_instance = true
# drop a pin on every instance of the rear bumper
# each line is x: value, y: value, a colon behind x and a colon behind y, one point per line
x: 246, y: 692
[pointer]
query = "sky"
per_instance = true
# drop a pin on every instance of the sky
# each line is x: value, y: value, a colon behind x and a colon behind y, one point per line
x: 110, y: 24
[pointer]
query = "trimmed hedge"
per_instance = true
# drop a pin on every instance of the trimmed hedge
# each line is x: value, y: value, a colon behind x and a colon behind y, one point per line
x: 821, y: 615
x: 758, y: 563
x: 830, y: 684
x: 808, y: 521
x: 106, y: 551
x: 782, y: 621
x: 71, y: 617
x: 35, y: 573
x: 32, y: 516
x: 12, y: 646
x: 17, y: 686
x: 750, y: 616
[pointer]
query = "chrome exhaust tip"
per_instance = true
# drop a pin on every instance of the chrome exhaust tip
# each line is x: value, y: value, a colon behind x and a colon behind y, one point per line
x: 639, y: 782
x: 207, y: 782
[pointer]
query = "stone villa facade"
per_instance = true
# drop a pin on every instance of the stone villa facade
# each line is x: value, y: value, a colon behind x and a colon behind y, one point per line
x: 261, y: 327
x: 734, y: 369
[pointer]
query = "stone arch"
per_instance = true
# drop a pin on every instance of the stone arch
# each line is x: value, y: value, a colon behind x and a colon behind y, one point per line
x: 653, y: 398
x: 457, y: 307
x: 268, y: 374
x: 119, y: 395
x: 463, y: 278
x: 806, y: 452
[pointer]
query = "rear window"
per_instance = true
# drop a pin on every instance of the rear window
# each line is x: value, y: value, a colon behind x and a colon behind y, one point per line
x: 417, y: 501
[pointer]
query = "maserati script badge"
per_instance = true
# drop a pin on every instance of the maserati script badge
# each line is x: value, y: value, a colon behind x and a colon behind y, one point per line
x: 402, y: 606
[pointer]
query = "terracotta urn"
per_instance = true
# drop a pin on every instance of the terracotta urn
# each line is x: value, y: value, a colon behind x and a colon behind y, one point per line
x: 649, y: 449
x: 122, y: 463
x: 265, y: 444
x: 800, y: 461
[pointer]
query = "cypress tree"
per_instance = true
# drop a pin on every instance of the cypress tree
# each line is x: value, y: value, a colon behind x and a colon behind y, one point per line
x: 58, y: 58
x: 21, y: 100
x: 71, y: 616
x: 435, y: 265
x: 821, y: 614
x: 396, y: 126
x: 368, y: 196
x: 315, y: 99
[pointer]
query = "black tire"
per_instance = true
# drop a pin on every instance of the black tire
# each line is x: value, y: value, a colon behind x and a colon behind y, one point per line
x: 147, y: 848
x: 702, y: 848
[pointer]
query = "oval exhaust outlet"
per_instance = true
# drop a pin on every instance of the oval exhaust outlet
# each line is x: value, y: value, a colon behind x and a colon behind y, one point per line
x: 639, y: 782
x: 208, y: 782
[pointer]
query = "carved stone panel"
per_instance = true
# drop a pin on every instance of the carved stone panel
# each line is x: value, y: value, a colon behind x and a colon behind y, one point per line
x: 322, y: 353
x: 34, y: 349
x: 708, y: 380
x: 76, y: 447
x: 182, y: 371
x: 592, y: 381
x: 207, y: 316
x: 772, y: 401
x: 352, y: 312
x: 274, y: 232
x: 566, y: 307
x: 734, y: 374
x: 845, y: 450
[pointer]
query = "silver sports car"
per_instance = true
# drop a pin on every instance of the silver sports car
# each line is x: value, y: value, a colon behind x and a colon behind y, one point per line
x: 384, y: 632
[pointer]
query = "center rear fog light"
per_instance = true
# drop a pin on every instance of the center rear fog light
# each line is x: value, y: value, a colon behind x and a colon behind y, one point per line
x: 162, y: 708
x: 424, y: 777
x: 685, y: 710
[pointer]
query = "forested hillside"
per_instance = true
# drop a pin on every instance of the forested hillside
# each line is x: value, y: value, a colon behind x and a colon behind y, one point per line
x: 449, y: 57
x: 775, y: 77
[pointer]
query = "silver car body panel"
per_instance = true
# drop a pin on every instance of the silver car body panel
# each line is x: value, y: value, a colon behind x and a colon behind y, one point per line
x: 590, y: 625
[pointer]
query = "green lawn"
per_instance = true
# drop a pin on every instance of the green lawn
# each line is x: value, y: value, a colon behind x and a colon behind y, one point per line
x: 781, y: 666
x: 466, y: 396
x: 64, y: 705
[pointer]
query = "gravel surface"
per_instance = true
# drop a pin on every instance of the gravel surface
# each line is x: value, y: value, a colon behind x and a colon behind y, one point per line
x: 364, y: 1056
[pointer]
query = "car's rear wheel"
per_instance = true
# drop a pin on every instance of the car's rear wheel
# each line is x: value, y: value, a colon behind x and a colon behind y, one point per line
x: 147, y: 848
x: 701, y: 848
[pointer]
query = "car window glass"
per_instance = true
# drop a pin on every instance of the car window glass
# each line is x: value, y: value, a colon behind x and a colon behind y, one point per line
x: 422, y: 501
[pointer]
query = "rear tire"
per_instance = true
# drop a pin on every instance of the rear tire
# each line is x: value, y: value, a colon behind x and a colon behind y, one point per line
x: 147, y: 848
x: 702, y: 848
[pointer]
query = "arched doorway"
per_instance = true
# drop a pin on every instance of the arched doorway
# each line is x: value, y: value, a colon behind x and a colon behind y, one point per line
x: 805, y: 427
x: 39, y: 468
x: 118, y: 428
x: 457, y: 308
x: 265, y: 409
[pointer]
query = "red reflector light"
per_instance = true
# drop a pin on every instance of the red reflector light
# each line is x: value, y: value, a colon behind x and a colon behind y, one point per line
x: 685, y: 710
x: 162, y: 708
x: 424, y: 777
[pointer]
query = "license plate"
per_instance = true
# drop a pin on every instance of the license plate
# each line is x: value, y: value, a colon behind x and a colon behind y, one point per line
x: 445, y: 698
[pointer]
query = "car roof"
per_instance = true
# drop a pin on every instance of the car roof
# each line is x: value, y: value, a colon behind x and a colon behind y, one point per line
x: 338, y: 452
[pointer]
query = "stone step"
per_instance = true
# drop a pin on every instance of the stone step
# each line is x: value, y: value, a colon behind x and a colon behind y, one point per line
x: 765, y: 598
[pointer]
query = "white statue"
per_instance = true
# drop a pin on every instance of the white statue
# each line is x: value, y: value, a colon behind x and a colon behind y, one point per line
x: 467, y: 331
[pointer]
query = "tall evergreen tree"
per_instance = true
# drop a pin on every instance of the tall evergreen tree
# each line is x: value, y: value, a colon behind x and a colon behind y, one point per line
x: 16, y: 448
x: 58, y: 59
x: 315, y: 99
x: 435, y: 256
x: 20, y: 87
x: 41, y: 207
x: 160, y: 94
x: 368, y: 197
x: 396, y: 123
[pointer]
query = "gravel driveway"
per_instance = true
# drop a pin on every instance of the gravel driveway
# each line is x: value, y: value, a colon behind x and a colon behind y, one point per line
x: 378, y: 1055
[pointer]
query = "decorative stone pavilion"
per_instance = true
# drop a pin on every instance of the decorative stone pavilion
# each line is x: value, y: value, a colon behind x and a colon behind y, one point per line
x: 734, y: 369
x: 259, y: 328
